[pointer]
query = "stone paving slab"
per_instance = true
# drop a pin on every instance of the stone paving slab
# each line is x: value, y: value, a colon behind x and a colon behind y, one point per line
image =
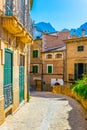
x: 47, y: 111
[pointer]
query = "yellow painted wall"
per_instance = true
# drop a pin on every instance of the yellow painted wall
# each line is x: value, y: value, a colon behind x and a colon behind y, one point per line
x: 16, y: 53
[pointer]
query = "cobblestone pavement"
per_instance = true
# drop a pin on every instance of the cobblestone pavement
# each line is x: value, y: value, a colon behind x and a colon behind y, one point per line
x: 47, y: 111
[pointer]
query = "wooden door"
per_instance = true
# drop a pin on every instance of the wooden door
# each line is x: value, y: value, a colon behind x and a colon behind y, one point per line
x: 8, y: 77
x: 38, y: 85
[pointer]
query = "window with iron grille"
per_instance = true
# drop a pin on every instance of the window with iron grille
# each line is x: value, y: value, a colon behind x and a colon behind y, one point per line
x: 49, y: 69
x: 80, y: 48
x: 35, y: 54
x: 35, y: 69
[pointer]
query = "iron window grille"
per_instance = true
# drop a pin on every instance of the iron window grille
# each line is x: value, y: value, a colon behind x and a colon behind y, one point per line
x: 80, y: 48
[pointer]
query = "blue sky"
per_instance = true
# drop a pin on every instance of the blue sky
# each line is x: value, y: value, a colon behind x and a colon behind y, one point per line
x: 60, y: 13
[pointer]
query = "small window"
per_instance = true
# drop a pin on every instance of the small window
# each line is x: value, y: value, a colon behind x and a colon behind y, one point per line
x: 35, y: 54
x: 49, y: 56
x: 35, y: 69
x: 9, y: 7
x: 49, y: 69
x: 80, y: 48
x: 22, y: 60
x: 58, y: 56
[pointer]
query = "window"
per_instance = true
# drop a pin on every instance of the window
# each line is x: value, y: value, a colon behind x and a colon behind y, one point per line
x: 35, y: 69
x: 35, y: 54
x: 9, y: 7
x: 80, y: 69
x: 22, y: 58
x: 80, y: 48
x: 49, y: 69
x: 49, y: 56
x: 58, y: 56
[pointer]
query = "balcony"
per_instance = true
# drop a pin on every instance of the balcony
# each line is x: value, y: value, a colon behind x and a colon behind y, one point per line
x: 18, y: 13
x: 13, y: 26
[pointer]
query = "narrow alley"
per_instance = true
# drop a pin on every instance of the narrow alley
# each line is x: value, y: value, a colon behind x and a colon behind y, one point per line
x: 47, y: 111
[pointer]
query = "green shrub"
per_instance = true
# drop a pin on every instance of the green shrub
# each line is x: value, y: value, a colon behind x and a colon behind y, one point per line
x: 80, y: 87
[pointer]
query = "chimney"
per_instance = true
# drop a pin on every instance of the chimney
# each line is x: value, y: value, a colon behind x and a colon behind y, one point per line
x: 83, y: 32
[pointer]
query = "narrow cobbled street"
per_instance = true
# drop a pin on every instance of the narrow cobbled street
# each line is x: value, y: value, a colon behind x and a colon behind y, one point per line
x: 47, y: 111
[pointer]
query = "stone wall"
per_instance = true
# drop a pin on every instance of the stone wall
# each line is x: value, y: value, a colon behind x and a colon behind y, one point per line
x: 68, y: 92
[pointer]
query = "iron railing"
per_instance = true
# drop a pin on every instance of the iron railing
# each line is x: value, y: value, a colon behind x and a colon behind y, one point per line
x: 8, y: 96
x: 73, y: 77
x: 21, y: 11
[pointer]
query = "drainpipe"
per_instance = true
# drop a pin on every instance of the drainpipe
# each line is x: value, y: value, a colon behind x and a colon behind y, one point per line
x: 63, y: 68
x: 28, y: 74
x: 42, y: 79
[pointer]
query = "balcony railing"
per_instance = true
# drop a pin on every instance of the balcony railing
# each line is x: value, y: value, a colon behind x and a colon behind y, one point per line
x: 73, y: 77
x: 21, y: 11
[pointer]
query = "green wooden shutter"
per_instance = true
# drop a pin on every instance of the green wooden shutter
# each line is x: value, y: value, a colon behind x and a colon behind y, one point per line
x: 21, y: 83
x: 49, y: 69
x: 35, y: 69
x: 76, y: 71
x: 85, y: 68
x: 21, y: 78
x: 35, y: 53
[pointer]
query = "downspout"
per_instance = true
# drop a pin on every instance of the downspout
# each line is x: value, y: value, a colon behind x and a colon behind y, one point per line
x: 28, y: 72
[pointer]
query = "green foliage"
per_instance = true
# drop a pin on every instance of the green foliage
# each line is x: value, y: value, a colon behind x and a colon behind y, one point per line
x: 80, y: 87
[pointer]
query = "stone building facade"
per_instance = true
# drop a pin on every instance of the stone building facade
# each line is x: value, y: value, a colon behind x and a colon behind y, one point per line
x: 53, y: 67
x: 49, y: 61
x: 14, y: 40
x: 36, y: 64
x: 76, y: 62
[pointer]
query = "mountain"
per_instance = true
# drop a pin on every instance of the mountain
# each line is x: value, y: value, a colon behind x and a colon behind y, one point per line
x: 78, y: 31
x: 64, y: 30
x: 44, y: 27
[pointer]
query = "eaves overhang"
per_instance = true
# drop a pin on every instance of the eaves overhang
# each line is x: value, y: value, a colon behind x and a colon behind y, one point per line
x: 79, y: 39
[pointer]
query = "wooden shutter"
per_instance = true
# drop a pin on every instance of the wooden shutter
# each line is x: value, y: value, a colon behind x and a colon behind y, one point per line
x: 35, y: 53
x: 76, y: 71
x: 49, y: 69
x: 85, y: 68
x: 35, y: 69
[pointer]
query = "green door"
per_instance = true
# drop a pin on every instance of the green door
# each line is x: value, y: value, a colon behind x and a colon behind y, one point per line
x: 8, y: 68
x: 21, y: 79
